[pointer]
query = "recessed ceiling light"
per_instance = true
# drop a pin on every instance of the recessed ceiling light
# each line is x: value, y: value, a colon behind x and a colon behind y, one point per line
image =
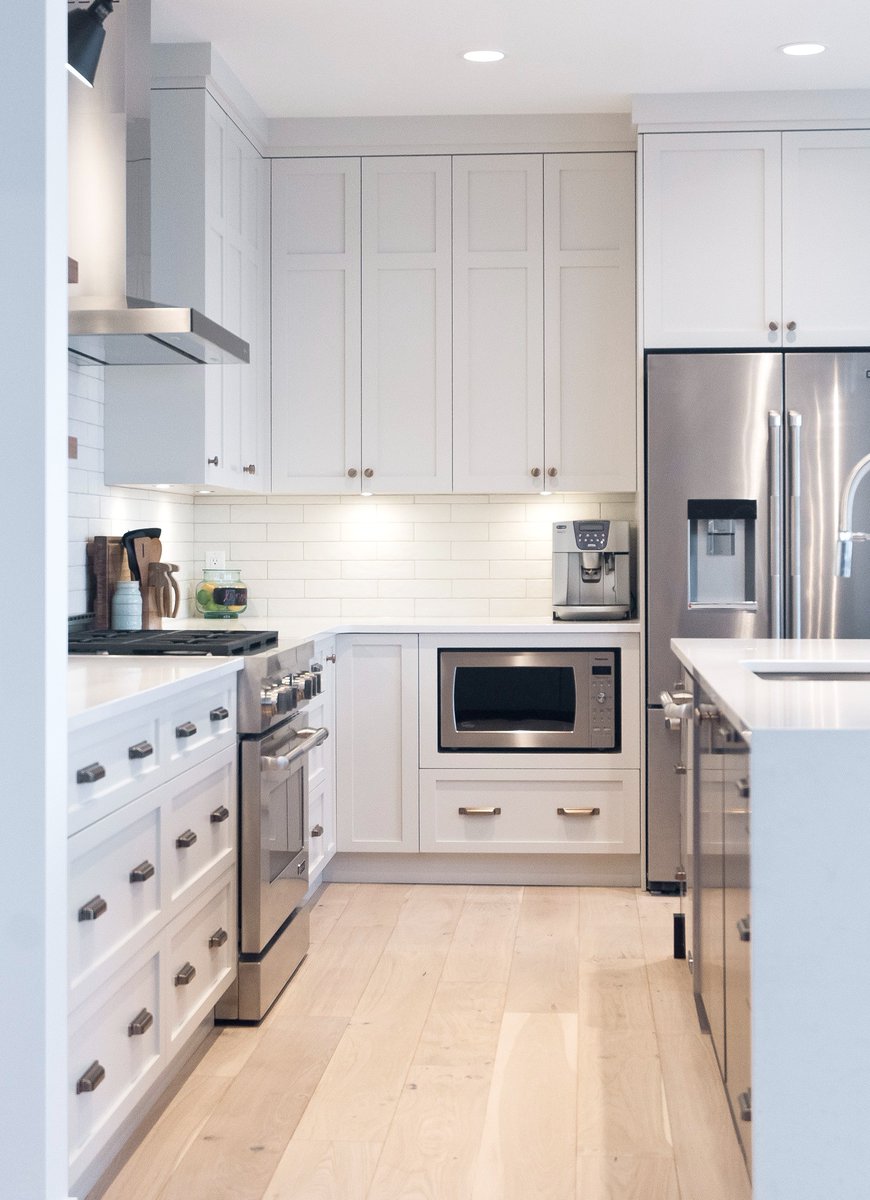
x: 803, y: 48
x: 483, y: 55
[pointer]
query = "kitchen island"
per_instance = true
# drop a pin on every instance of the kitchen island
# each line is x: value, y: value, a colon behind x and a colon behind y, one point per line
x: 804, y: 709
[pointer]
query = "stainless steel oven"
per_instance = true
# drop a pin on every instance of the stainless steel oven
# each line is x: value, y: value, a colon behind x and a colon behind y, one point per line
x: 529, y: 700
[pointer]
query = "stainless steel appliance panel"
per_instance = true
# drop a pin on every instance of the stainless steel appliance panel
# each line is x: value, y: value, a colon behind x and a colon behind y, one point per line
x: 707, y: 438
x: 663, y: 803
x: 831, y: 394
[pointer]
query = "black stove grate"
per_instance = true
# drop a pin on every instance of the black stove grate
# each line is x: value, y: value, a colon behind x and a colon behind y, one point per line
x: 170, y: 641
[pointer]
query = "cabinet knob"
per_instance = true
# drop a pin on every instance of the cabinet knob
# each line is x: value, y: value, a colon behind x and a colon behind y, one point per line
x: 368, y: 472
x: 185, y: 840
x: 218, y: 939
x: 140, y: 1023
x: 93, y: 909
x: 186, y: 975
x: 186, y: 730
x: 90, y: 773
x: 330, y: 658
x: 144, y: 871
x: 250, y: 469
x: 791, y: 326
x: 92, y: 1078
x: 213, y: 462
x: 773, y: 326
x: 141, y: 750
x: 535, y: 472
x: 352, y: 472
x: 552, y: 472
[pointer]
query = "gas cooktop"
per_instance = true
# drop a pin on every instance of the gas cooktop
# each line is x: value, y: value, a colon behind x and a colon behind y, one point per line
x: 171, y: 641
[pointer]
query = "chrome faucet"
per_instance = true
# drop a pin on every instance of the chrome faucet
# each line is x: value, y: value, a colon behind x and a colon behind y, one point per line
x: 845, y: 534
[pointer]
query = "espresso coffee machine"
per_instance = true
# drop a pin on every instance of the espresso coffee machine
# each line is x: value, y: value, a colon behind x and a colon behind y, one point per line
x: 591, y: 576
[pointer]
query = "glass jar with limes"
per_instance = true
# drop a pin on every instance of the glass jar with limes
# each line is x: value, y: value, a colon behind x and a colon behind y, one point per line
x: 221, y: 593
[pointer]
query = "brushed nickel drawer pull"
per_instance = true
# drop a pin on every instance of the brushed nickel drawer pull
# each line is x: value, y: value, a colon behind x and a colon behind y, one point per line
x: 742, y: 786
x: 140, y: 1023
x: 185, y: 840
x: 141, y: 750
x: 93, y: 909
x: 217, y: 939
x: 744, y: 1104
x: 578, y: 812
x: 219, y: 815
x: 144, y: 871
x: 90, y: 773
x: 185, y: 975
x: 744, y: 930
x: 186, y: 730
x: 219, y: 714
x: 479, y: 812
x: 92, y: 1078
x: 317, y: 831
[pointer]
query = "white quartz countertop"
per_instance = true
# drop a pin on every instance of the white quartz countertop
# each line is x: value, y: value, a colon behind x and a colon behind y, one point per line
x: 727, y: 670
x: 100, y: 685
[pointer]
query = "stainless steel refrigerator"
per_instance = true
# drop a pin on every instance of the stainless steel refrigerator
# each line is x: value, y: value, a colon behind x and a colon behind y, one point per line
x: 746, y: 458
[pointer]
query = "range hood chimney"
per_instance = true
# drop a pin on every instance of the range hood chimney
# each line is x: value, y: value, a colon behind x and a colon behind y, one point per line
x: 110, y: 218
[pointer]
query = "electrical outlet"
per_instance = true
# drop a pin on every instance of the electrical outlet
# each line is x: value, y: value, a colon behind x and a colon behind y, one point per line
x: 215, y: 560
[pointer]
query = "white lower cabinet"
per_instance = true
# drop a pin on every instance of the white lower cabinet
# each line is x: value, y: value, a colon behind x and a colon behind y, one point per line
x: 321, y: 767
x: 152, y: 901
x: 376, y: 743
x: 530, y: 811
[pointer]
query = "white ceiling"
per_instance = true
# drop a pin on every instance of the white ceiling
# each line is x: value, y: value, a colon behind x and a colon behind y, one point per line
x: 330, y: 58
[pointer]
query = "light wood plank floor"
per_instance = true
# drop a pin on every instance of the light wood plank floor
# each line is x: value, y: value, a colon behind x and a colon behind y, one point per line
x: 458, y: 1043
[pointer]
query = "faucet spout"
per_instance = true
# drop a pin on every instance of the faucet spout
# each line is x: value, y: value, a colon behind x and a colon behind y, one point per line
x: 845, y: 534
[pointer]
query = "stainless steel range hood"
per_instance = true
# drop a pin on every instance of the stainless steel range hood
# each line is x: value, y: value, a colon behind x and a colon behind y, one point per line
x: 110, y: 223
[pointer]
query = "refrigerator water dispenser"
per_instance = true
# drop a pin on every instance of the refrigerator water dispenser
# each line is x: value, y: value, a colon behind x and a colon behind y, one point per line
x: 721, y: 549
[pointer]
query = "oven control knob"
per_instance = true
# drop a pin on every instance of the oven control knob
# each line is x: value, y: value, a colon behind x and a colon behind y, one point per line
x: 268, y: 706
x: 286, y: 699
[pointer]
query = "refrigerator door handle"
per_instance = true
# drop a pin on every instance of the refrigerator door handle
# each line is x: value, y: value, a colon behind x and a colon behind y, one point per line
x: 774, y: 522
x: 794, y: 522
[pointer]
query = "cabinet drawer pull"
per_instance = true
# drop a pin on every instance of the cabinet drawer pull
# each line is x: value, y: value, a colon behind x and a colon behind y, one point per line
x: 144, y: 871
x: 213, y: 462
x: 185, y: 840
x: 93, y: 909
x: 90, y: 773
x: 141, y: 750
x: 479, y: 812
x: 742, y: 786
x: 140, y: 1023
x: 186, y: 730
x: 317, y: 831
x: 219, y: 714
x: 578, y: 812
x: 219, y: 815
x: 744, y: 1103
x: 743, y: 929
x: 217, y: 939
x: 92, y: 1078
x: 186, y: 975
x: 250, y: 469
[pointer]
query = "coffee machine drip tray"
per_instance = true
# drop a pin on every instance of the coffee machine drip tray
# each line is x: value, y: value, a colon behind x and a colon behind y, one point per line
x: 591, y: 571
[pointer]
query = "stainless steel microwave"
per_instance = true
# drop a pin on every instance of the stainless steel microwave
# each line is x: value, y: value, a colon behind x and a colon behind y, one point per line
x: 529, y: 700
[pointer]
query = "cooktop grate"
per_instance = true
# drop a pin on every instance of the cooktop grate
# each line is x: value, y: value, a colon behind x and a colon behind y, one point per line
x: 171, y: 641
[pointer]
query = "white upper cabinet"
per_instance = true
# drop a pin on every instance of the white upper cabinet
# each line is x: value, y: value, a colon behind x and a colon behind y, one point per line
x: 589, y: 326
x: 756, y: 239
x: 316, y: 313
x: 406, y: 335
x: 712, y: 239
x: 498, y: 326
x: 210, y: 250
x: 826, y: 248
x: 361, y: 325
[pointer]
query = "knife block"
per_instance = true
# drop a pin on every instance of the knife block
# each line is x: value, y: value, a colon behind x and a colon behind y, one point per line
x: 106, y: 561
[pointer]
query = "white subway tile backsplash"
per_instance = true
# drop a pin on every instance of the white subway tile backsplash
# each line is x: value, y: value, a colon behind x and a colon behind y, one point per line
x: 489, y: 588
x: 471, y: 568
x: 452, y: 608
x: 304, y: 608
x: 382, y: 568
x: 343, y: 589
x: 377, y: 608
x: 417, y: 589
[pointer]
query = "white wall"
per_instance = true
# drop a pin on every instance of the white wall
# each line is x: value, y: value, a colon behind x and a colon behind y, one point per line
x: 394, y: 556
x: 97, y: 509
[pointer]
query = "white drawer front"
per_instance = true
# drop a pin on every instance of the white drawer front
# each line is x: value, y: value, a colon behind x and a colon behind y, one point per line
x: 504, y: 814
x: 104, y: 1038
x: 194, y: 727
x: 103, y: 776
x: 114, y: 898
x: 201, y: 962
x: 199, y: 826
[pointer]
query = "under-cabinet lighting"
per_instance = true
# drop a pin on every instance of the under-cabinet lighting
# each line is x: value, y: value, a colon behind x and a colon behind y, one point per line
x: 483, y: 56
x: 205, y: 491
x: 162, y: 487
x: 801, y: 48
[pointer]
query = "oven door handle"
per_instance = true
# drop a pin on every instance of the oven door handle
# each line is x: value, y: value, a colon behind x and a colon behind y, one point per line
x: 281, y: 762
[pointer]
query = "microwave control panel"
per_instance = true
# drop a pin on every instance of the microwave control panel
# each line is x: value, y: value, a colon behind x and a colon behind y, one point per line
x: 601, y: 701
